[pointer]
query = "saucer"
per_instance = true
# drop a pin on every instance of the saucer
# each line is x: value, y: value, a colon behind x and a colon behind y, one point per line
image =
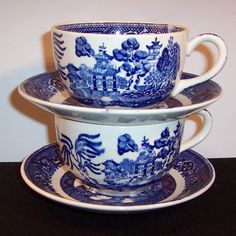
x: 44, y: 172
x: 47, y: 91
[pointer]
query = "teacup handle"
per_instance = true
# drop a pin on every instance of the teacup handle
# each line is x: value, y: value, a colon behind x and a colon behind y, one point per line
x: 207, y: 120
x: 222, y: 57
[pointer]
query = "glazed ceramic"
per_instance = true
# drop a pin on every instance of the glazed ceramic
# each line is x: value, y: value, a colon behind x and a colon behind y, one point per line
x: 45, y: 173
x: 48, y: 92
x: 123, y: 159
x: 127, y: 64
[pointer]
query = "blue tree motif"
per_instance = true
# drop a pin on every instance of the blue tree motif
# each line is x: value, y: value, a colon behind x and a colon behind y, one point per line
x: 169, y: 60
x: 86, y: 149
x: 73, y: 72
x: 174, y: 51
x: 77, y: 75
x: 163, y: 141
x: 147, y: 152
x: 83, y: 48
x: 146, y: 145
x: 76, y: 82
x: 126, y: 144
x: 164, y: 61
x: 167, y: 143
x: 66, y: 151
x: 134, y: 62
x: 163, y: 77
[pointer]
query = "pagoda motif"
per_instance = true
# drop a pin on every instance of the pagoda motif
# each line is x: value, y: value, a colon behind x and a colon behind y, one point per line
x: 104, y: 73
x: 154, y: 52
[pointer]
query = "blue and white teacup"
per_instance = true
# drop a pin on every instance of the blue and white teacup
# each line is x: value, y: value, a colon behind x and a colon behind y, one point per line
x: 127, y: 64
x: 123, y: 160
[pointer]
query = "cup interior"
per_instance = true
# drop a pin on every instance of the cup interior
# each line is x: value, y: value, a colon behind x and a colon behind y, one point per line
x: 119, y: 28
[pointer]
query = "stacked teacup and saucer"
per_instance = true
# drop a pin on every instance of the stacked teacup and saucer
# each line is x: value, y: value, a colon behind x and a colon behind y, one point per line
x: 120, y: 100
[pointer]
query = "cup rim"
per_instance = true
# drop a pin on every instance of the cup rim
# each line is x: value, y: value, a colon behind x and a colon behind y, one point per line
x: 57, y: 28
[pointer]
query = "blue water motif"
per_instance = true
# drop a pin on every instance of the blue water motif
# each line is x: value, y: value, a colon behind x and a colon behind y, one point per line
x: 148, y: 162
x: 143, y: 77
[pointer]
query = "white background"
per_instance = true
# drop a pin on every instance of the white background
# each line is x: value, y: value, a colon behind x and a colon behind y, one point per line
x: 25, y: 50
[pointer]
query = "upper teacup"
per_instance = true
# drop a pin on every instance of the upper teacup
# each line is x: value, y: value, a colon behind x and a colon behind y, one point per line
x: 127, y: 64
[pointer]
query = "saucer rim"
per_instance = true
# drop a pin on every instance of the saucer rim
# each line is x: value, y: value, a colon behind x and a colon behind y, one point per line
x: 110, y: 208
x: 110, y: 110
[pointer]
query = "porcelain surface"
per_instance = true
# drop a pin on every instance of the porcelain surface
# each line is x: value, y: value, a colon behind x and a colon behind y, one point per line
x: 45, y: 173
x: 128, y: 158
x: 47, y: 91
x: 127, y: 64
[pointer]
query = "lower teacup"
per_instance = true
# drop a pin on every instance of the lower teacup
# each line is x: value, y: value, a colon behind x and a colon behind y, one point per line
x: 123, y: 160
